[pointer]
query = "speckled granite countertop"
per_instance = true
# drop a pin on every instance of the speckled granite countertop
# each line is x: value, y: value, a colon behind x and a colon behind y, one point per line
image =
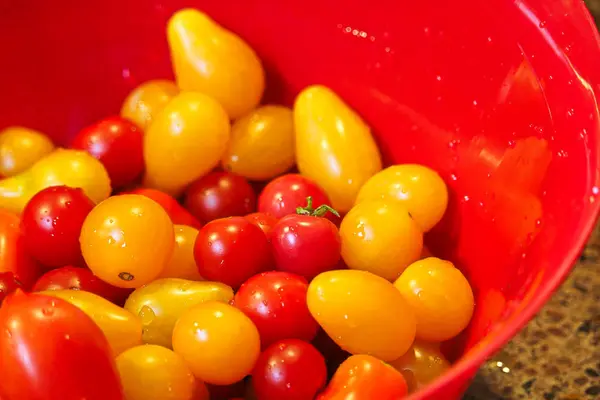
x: 557, y: 355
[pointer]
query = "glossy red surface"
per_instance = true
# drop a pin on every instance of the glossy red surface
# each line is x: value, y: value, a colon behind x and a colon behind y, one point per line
x: 499, y: 96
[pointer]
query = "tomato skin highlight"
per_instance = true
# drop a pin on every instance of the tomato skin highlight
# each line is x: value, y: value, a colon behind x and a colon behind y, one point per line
x: 220, y: 195
x: 283, y: 195
x: 118, y: 144
x: 77, y: 278
x: 45, y: 334
x: 51, y: 223
x: 290, y: 369
x: 305, y: 245
x: 365, y: 377
x: 231, y: 250
x: 13, y: 255
x: 276, y: 303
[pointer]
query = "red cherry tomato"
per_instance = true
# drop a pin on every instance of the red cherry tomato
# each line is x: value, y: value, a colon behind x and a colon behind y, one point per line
x: 284, y: 194
x: 75, y: 278
x: 365, y: 377
x: 13, y: 256
x: 276, y: 303
x: 231, y: 250
x: 118, y: 144
x: 264, y: 221
x: 220, y: 195
x: 178, y: 214
x: 306, y: 244
x: 51, y: 223
x: 289, y: 369
x: 50, y: 349
x: 8, y: 284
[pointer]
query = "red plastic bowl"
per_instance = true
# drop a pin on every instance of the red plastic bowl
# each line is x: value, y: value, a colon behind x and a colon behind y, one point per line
x: 499, y: 96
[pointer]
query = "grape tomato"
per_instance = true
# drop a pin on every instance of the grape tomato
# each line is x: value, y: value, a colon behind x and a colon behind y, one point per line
x: 20, y: 148
x: 147, y: 100
x: 421, y: 364
x: 182, y: 264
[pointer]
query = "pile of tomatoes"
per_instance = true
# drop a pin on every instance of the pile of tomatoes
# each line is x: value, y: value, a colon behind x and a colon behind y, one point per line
x: 170, y: 253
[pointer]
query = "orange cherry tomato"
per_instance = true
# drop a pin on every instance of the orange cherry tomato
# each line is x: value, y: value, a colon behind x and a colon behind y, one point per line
x: 152, y: 372
x: 182, y: 264
x: 262, y: 144
x: 127, y: 240
x: 440, y: 296
x: 219, y: 343
x: 362, y: 313
x: 210, y: 59
x: 421, y: 364
x: 420, y: 189
x: 147, y: 100
x: 365, y: 377
x: 185, y: 141
x: 20, y: 148
x: 334, y: 146
x: 380, y: 237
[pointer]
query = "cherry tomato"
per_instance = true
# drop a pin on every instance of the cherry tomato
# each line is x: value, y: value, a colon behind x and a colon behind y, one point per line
x: 440, y: 296
x: 219, y: 343
x: 49, y: 350
x: 182, y: 264
x: 262, y: 144
x: 365, y: 377
x: 276, y: 303
x: 264, y: 221
x: 185, y: 141
x: 306, y: 244
x: 160, y: 303
x: 118, y: 144
x: 420, y: 189
x: 380, y: 237
x: 51, y: 223
x: 122, y: 329
x: 231, y: 250
x: 289, y: 369
x: 75, y: 278
x: 330, y: 139
x: 148, y: 99
x: 20, y: 148
x: 362, y: 313
x: 177, y: 213
x: 8, y: 284
x: 421, y: 364
x: 73, y: 168
x: 13, y: 255
x: 208, y: 58
x: 152, y: 372
x: 283, y: 195
x: 127, y: 240
x: 220, y: 195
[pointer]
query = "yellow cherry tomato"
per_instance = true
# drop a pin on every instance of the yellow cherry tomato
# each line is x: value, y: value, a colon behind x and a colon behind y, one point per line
x: 160, y: 303
x: 334, y: 146
x: 363, y: 313
x: 210, y: 59
x: 262, y: 144
x: 182, y: 264
x: 380, y: 237
x: 127, y: 240
x: 147, y: 100
x: 152, y: 372
x: 185, y: 141
x: 420, y: 189
x: 421, y: 364
x: 20, y: 148
x: 218, y: 342
x: 122, y: 329
x: 72, y: 168
x: 440, y: 296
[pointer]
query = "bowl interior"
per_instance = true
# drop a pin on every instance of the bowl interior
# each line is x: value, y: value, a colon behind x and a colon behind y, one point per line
x: 506, y: 112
